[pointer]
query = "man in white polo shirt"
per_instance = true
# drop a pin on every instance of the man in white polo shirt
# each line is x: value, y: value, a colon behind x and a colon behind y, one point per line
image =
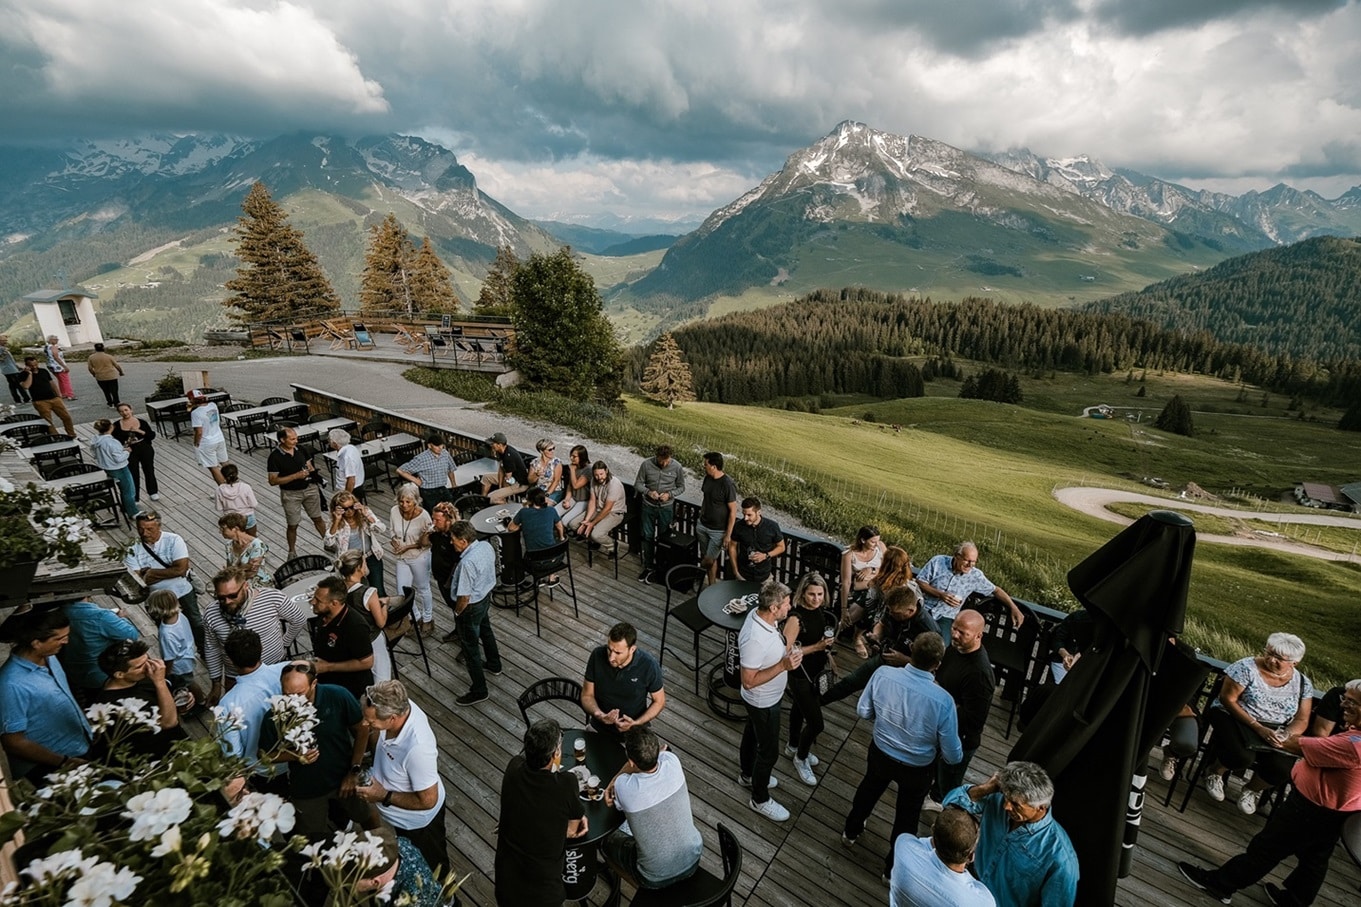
x: 765, y: 660
x: 209, y: 445
x: 406, y: 784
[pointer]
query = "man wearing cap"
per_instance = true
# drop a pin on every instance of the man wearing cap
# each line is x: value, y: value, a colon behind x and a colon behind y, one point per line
x: 512, y: 476
x: 209, y: 444
x: 432, y: 471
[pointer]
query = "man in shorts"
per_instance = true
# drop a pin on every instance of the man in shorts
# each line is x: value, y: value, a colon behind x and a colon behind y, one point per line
x: 717, y: 514
x: 291, y: 471
x: 209, y: 444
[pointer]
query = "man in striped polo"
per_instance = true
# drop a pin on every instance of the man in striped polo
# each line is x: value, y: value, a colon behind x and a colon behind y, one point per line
x: 240, y: 604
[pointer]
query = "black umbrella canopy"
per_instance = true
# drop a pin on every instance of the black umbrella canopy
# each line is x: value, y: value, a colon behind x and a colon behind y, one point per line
x: 1091, y: 732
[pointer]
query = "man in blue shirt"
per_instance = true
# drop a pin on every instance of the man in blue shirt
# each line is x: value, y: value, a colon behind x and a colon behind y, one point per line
x: 242, y: 712
x: 948, y: 580
x: 41, y: 728
x: 934, y: 871
x: 474, y: 579
x: 93, y: 629
x: 914, y: 721
x: 1024, y: 856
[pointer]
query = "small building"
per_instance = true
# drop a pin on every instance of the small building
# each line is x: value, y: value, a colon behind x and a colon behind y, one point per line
x: 1352, y: 492
x: 68, y: 313
x: 1324, y: 497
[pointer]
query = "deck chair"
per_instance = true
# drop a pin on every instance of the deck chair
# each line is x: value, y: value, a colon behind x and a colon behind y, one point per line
x: 297, y: 336
x: 411, y: 341
x: 341, y: 338
x: 363, y: 340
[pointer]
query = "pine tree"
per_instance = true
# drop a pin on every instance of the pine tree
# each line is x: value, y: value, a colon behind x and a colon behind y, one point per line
x: 563, y: 341
x: 495, y: 298
x: 279, y: 279
x: 432, y: 286
x: 667, y: 376
x: 385, y: 290
x: 1175, y: 417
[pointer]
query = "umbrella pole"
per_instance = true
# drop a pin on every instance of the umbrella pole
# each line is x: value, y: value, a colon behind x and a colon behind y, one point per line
x: 1134, y: 813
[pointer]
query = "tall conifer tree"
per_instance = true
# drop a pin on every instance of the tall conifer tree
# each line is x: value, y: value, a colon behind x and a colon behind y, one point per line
x: 279, y: 279
x: 385, y: 289
x: 432, y: 286
x: 496, y: 286
x: 667, y: 376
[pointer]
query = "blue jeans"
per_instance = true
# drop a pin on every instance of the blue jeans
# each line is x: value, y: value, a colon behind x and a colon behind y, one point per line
x: 656, y: 522
x: 473, y: 626
x: 760, y: 748
x: 126, y: 490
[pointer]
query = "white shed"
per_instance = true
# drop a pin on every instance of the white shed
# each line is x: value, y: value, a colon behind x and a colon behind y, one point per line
x: 68, y: 313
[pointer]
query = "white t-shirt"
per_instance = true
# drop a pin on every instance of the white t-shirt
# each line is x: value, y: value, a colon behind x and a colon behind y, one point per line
x: 169, y: 548
x: 409, y: 532
x: 759, y: 646
x: 407, y: 763
x: 349, y: 462
x: 207, y: 418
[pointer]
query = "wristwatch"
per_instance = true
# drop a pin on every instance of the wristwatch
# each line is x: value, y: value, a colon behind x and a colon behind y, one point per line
x: 387, y: 799
x: 356, y: 768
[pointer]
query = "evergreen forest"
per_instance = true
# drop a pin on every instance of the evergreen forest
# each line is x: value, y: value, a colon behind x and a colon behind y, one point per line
x: 861, y: 341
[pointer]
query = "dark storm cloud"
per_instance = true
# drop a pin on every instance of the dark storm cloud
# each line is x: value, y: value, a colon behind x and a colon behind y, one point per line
x: 964, y: 27
x: 1144, y: 17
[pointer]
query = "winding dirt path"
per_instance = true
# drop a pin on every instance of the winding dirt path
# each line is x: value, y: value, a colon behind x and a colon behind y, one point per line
x: 1094, y: 501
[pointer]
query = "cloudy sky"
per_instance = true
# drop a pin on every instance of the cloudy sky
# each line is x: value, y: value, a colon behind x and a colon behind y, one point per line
x: 673, y: 107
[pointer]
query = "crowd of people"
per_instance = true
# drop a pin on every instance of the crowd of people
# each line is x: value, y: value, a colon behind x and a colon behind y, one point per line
x: 925, y: 682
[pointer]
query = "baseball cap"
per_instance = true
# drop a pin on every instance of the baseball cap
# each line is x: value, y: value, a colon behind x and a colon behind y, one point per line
x: 197, y: 396
x: 498, y: 438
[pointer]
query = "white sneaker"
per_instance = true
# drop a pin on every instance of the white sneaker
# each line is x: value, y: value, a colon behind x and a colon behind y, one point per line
x: 931, y: 806
x: 155, y: 497
x: 745, y: 781
x: 1169, y: 769
x: 1247, y: 801
x: 771, y: 810
x: 1215, y: 786
x: 793, y: 753
x: 805, y: 772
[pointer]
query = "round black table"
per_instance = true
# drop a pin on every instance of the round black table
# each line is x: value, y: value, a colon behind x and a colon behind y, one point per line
x: 493, y: 520
x: 604, y: 757
x: 725, y: 680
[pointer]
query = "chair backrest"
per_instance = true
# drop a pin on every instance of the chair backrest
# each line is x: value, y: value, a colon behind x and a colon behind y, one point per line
x: 546, y: 690
x: 731, y: 849
x: 684, y: 579
x: 825, y: 558
x: 375, y: 429
x: 271, y: 401
x: 319, y: 417
x: 16, y: 417
x: 1009, y: 646
x: 470, y: 504
x: 33, y: 435
x: 66, y: 470
x: 548, y: 560
x: 303, y: 563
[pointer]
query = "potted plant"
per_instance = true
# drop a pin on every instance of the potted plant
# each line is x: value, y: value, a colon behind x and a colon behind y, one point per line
x: 36, y: 523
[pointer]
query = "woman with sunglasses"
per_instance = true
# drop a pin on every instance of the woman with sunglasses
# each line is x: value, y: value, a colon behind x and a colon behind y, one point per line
x: 546, y: 472
x: 354, y: 526
x: 1264, y: 701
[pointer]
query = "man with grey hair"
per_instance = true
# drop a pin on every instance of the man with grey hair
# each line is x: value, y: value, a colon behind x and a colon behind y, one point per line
x: 471, y: 587
x: 915, y: 723
x: 406, y: 785
x: 349, y: 469
x: 1024, y: 855
x: 765, y: 661
x: 948, y: 580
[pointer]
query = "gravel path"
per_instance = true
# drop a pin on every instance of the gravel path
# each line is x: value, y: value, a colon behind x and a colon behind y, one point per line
x: 1094, y: 501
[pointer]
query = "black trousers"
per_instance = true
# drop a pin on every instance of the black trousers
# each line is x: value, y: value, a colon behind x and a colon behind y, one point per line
x: 1298, y: 827
x: 913, y: 782
x: 805, y: 718
x: 1236, y: 747
x: 142, y: 461
x: 430, y: 841
x: 110, y: 389
x: 19, y: 394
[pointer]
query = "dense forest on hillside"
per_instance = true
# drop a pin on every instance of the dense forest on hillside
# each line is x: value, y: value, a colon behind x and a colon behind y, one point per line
x: 1300, y: 300
x: 853, y: 342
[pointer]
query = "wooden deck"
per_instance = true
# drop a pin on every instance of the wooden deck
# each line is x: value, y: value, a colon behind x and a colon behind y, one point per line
x: 798, y: 862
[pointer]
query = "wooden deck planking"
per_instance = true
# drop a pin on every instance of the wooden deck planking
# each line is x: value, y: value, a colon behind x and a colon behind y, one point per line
x: 798, y: 862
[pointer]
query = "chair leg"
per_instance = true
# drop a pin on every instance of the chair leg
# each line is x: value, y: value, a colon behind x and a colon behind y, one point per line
x: 392, y: 658
x: 696, y: 664
x: 572, y: 587
x: 420, y: 643
x: 1201, y: 765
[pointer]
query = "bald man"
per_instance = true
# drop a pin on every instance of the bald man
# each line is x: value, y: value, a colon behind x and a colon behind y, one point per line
x: 966, y: 674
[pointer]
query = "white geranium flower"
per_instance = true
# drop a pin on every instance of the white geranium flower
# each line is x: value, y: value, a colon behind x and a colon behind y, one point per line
x: 258, y: 815
x: 233, y: 720
x: 170, y: 843
x: 154, y: 813
x: 101, y: 886
x: 56, y: 865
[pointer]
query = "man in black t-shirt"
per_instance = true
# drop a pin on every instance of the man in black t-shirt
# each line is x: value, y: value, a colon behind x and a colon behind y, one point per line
x: 513, y: 475
x: 340, y: 639
x: 290, y: 470
x: 46, y: 396
x: 717, y: 513
x: 966, y: 674
x: 755, y: 543
x: 623, y: 686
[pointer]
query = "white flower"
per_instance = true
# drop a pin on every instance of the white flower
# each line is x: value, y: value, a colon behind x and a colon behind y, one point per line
x: 101, y: 886
x: 154, y: 813
x: 104, y: 715
x: 75, y: 781
x: 257, y: 815
x: 295, y: 718
x: 56, y: 865
x: 233, y: 720
x: 384, y: 894
x: 170, y: 843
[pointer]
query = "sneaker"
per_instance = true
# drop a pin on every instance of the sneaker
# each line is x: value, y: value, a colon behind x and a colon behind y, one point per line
x: 805, y: 772
x: 931, y: 806
x: 1278, y: 895
x: 745, y: 781
x: 155, y: 497
x: 1247, y: 801
x: 552, y: 582
x: 496, y: 671
x: 771, y: 810
x: 1201, y: 879
x: 646, y: 576
x: 1215, y: 785
x: 471, y: 698
x: 792, y: 752
x: 847, y: 840
x: 452, y: 636
x: 1169, y: 769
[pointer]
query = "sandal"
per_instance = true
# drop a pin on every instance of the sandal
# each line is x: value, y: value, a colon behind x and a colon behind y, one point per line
x: 860, y: 648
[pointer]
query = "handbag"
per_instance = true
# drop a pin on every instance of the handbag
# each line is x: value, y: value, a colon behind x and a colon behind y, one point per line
x: 194, y: 582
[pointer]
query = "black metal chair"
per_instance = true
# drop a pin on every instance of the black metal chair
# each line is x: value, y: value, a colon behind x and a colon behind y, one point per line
x: 303, y: 563
x: 1011, y: 649
x: 16, y: 417
x: 274, y: 401
x: 35, y: 435
x: 253, y: 431
x: 703, y: 889
x: 563, y: 689
x: 95, y: 498
x: 825, y: 558
x: 374, y: 429
x: 319, y: 417
x: 686, y: 580
x: 47, y: 462
x: 470, y: 504
x: 540, y: 564
x: 396, y: 614
x: 297, y: 413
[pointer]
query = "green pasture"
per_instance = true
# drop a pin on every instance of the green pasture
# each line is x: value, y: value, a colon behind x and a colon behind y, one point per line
x: 945, y: 476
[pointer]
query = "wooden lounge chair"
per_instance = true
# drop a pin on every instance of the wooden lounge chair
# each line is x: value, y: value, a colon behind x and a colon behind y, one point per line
x: 297, y: 336
x: 411, y: 341
x: 341, y: 338
x: 363, y: 340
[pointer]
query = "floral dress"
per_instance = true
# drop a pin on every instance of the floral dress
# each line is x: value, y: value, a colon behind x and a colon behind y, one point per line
x: 258, y: 548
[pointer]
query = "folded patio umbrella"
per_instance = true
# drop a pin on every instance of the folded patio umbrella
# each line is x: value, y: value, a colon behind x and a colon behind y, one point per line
x: 1098, y: 726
